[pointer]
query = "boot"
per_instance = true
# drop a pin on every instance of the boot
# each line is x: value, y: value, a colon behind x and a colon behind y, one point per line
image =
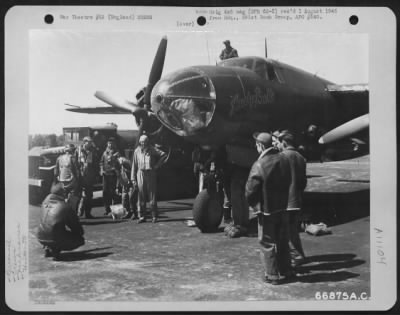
x: 47, y: 251
x: 227, y: 215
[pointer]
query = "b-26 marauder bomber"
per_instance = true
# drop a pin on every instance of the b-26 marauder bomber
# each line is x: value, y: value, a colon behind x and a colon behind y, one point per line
x: 223, y: 105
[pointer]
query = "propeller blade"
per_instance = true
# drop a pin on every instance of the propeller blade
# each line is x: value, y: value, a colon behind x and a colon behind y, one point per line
x: 345, y: 130
x: 122, y: 104
x: 67, y: 104
x: 156, y: 69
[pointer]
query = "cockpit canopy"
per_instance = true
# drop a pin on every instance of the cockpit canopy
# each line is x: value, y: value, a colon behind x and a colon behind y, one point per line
x: 262, y: 67
x: 184, y: 101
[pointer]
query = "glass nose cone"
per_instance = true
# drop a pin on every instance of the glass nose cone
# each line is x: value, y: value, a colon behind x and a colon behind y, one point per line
x: 184, y: 101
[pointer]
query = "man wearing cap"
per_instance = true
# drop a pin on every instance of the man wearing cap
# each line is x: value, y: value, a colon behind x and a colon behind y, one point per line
x: 267, y: 190
x: 109, y: 170
x: 309, y: 147
x: 298, y: 184
x: 275, y: 139
x: 67, y: 173
x: 59, y: 227
x: 88, y: 164
x: 146, y: 160
x: 228, y: 51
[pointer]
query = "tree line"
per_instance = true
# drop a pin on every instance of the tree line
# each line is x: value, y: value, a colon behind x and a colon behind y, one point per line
x: 49, y: 140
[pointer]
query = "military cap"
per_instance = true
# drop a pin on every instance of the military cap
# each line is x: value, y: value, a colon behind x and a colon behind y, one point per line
x: 57, y: 189
x: 287, y: 136
x: 227, y: 42
x: 263, y: 137
x: 143, y: 138
x: 70, y: 147
x: 276, y: 133
x: 312, y: 128
x: 111, y: 139
x: 87, y: 139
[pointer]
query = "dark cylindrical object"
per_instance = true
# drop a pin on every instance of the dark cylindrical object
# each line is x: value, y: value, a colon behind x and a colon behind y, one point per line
x: 207, y: 211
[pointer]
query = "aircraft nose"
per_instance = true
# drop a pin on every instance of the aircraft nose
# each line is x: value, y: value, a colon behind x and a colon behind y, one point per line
x: 184, y: 101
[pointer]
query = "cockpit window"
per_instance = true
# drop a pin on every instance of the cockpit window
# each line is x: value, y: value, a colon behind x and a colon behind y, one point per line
x: 263, y: 68
x: 238, y: 62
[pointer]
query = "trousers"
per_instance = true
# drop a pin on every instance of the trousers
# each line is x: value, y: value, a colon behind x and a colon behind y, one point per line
x: 85, y: 205
x: 296, y: 248
x: 240, y: 207
x: 71, y: 189
x: 273, y: 238
x: 129, y: 198
x: 147, y: 183
x: 109, y: 186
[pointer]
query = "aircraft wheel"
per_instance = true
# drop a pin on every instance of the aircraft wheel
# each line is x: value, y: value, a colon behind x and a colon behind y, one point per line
x: 207, y: 211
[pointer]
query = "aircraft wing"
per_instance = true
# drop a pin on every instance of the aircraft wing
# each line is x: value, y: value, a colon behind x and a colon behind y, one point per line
x: 99, y: 110
x: 329, y: 177
x: 350, y: 97
x: 348, y: 88
x: 339, y: 177
x: 352, y: 100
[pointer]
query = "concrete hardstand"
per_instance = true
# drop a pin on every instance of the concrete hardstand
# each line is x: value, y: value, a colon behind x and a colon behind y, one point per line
x: 170, y: 261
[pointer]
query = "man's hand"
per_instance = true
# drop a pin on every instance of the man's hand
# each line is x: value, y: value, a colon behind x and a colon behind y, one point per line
x: 134, y: 185
x: 256, y: 209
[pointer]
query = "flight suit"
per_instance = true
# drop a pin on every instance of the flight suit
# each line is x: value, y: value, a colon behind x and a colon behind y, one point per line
x: 109, y: 168
x: 228, y: 53
x: 144, y: 172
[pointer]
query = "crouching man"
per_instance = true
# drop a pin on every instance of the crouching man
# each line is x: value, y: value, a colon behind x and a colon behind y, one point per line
x: 59, y: 227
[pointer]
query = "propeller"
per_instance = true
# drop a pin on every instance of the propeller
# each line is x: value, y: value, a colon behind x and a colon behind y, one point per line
x: 156, y: 69
x: 345, y: 130
x: 122, y: 104
x: 142, y: 110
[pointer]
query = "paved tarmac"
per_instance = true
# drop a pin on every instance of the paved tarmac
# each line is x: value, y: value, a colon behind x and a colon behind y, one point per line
x: 169, y: 261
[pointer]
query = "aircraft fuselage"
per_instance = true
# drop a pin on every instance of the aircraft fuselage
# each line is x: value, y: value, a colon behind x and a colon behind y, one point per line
x: 211, y: 105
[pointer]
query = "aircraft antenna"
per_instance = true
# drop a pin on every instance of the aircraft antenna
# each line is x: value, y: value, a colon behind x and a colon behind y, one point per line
x: 265, y: 47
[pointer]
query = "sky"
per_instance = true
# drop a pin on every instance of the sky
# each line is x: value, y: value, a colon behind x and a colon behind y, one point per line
x: 69, y: 66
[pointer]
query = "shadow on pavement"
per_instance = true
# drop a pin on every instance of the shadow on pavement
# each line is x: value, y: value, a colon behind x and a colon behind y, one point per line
x: 84, y: 254
x: 326, y: 277
x: 329, y: 257
x: 99, y: 221
x: 331, y: 265
x: 163, y: 219
x: 189, y: 204
x: 168, y: 209
x: 328, y: 262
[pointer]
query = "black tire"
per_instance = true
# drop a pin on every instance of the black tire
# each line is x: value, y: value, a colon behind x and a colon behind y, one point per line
x: 207, y: 211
